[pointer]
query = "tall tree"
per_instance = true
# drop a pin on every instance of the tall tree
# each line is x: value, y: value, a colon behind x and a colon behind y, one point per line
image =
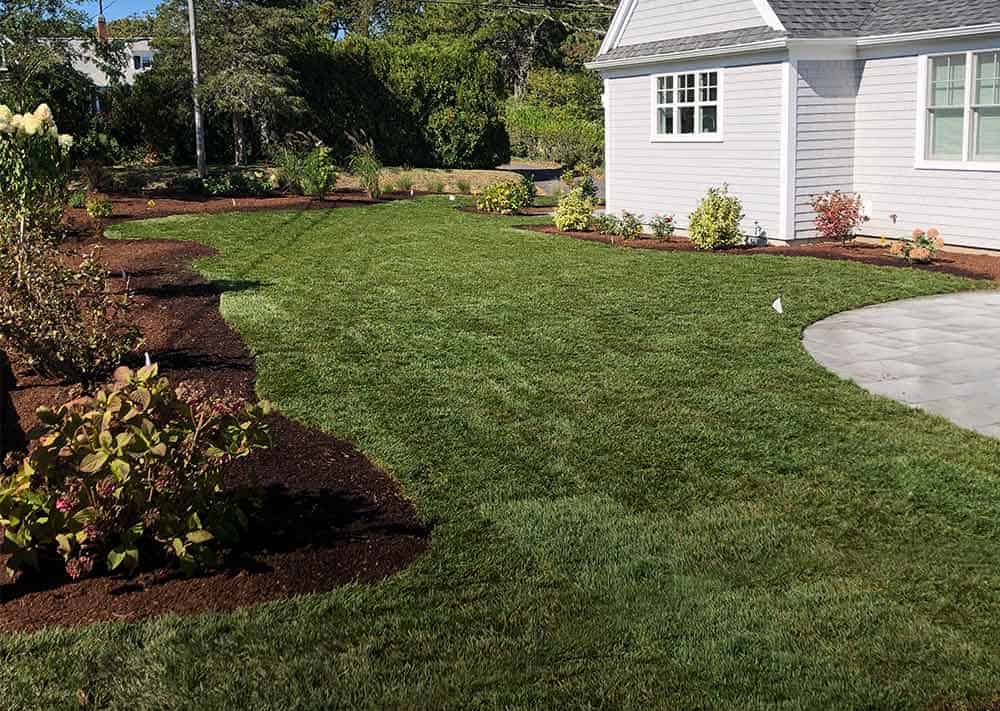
x: 244, y: 50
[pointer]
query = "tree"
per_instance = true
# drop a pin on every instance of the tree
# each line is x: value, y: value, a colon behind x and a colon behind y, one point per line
x: 244, y: 48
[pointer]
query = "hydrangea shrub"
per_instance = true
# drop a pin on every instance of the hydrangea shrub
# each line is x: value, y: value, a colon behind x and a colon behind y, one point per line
x: 505, y: 197
x: 135, y: 470
x: 34, y: 169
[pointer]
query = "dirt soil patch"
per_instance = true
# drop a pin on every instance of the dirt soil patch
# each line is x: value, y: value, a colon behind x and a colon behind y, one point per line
x: 330, y: 516
x: 975, y: 266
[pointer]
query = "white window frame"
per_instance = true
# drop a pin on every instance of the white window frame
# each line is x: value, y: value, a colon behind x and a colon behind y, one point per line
x: 697, y: 136
x: 967, y: 163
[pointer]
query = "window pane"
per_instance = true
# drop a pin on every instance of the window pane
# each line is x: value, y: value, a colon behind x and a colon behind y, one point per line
x: 709, y: 119
x: 686, y: 88
x: 665, y: 121
x: 709, y: 86
x: 944, y: 140
x: 948, y: 80
x: 988, y: 78
x: 987, y: 126
x: 687, y: 119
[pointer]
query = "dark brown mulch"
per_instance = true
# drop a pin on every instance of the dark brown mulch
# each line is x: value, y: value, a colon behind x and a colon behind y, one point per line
x: 976, y: 266
x: 330, y: 516
x: 133, y: 207
x: 526, y: 212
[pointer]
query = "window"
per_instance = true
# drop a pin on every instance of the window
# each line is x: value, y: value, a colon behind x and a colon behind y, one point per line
x: 961, y: 114
x: 142, y: 61
x: 687, y: 106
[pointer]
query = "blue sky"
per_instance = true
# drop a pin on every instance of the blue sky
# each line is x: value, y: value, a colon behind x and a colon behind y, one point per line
x: 119, y: 8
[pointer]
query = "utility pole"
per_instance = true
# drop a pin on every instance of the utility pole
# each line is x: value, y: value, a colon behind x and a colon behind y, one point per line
x: 199, y: 124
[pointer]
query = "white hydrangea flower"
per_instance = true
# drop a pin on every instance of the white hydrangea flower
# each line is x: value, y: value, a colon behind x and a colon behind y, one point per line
x: 65, y: 141
x: 43, y: 113
x: 31, y: 125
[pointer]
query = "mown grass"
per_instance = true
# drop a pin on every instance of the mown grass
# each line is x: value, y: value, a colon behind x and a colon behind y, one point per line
x: 645, y: 494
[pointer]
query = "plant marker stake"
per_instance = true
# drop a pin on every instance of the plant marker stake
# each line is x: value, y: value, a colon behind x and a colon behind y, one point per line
x: 778, y: 306
x: 148, y: 361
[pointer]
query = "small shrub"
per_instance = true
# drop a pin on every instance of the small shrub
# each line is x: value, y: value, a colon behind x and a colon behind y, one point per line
x: 191, y: 184
x: 663, y: 226
x: 606, y: 224
x: 435, y: 186
x: 253, y: 184
x: 530, y: 187
x: 34, y: 170
x: 404, y: 183
x: 629, y: 226
x: 64, y: 322
x: 318, y: 176
x: 219, y: 186
x: 136, y: 469
x: 923, y: 247
x: 99, y: 208
x: 715, y: 224
x: 368, y: 170
x: 505, y: 197
x: 289, y: 165
x: 575, y: 212
x: 78, y: 199
x: 463, y: 187
x: 838, y: 215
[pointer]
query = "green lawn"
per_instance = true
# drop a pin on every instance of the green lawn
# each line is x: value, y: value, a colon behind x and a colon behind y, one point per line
x: 644, y: 492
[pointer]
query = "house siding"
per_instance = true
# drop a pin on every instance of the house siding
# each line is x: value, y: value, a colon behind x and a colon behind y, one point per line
x: 665, y: 19
x: 826, y: 99
x: 964, y: 205
x: 653, y: 178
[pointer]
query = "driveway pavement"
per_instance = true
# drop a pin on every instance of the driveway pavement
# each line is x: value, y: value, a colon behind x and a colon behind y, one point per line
x: 940, y: 354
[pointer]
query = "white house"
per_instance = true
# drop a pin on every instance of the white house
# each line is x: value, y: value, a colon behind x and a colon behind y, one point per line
x: 898, y: 100
x: 138, y: 58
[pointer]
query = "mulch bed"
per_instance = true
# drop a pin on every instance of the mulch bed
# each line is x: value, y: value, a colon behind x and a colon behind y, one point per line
x: 330, y: 515
x: 976, y: 266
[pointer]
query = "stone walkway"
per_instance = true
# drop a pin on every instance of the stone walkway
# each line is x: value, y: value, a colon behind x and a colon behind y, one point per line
x: 940, y: 353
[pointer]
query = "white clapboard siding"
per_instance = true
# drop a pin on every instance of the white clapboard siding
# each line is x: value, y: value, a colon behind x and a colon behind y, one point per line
x: 654, y: 20
x: 964, y: 205
x: 824, y: 151
x: 654, y: 178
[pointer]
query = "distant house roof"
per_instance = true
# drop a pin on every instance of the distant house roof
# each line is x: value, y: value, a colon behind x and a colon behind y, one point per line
x: 809, y: 19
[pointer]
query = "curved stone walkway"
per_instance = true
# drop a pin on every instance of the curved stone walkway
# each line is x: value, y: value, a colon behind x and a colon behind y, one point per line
x: 938, y: 353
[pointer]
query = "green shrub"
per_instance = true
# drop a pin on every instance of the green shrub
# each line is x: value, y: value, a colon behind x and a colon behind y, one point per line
x: 318, y: 176
x: 63, y: 322
x: 253, y: 184
x: 99, y: 208
x: 463, y: 187
x: 134, y: 470
x: 368, y: 170
x: 219, y: 185
x: 77, y: 199
x: 289, y: 165
x: 34, y: 170
x: 505, y: 197
x: 715, y: 224
x: 606, y: 224
x: 552, y: 133
x: 663, y: 226
x: 575, y: 211
x: 404, y: 183
x: 435, y: 186
x: 629, y: 226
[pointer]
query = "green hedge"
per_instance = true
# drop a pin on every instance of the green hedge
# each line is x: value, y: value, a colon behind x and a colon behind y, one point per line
x: 548, y: 133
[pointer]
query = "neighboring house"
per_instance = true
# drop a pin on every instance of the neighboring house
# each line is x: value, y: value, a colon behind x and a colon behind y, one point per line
x: 898, y: 100
x: 138, y: 58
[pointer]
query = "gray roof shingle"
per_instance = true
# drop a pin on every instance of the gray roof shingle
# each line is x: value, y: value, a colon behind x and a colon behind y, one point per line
x: 833, y: 18
x: 843, y: 18
x: 686, y: 44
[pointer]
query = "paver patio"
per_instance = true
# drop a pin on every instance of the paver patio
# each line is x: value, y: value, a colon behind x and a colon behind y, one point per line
x: 939, y: 353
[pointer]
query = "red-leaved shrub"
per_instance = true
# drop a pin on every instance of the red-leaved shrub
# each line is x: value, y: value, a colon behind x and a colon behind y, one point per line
x: 838, y: 214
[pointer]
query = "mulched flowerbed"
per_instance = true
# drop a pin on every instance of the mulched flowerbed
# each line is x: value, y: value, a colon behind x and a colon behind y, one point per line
x: 330, y: 516
x: 976, y: 266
